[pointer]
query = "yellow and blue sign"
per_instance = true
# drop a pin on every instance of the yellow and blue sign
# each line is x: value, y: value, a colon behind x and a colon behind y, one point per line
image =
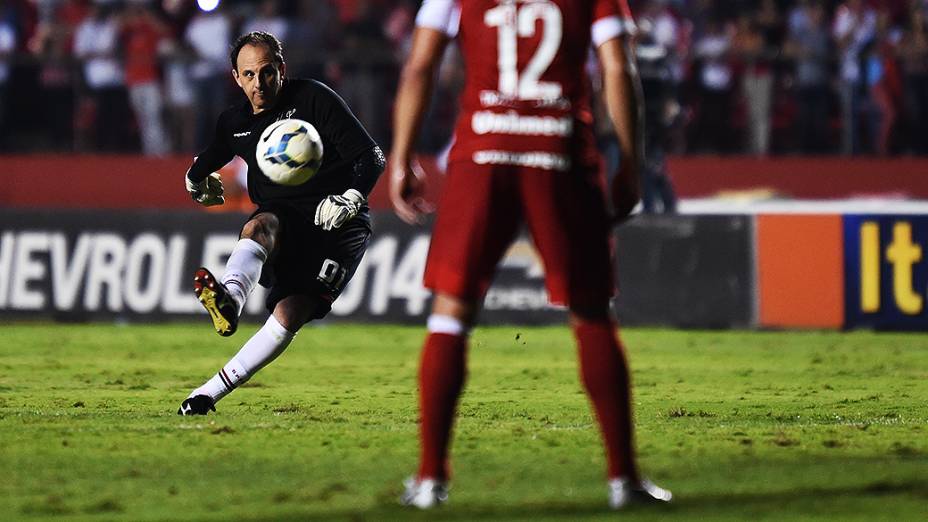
x: 886, y: 271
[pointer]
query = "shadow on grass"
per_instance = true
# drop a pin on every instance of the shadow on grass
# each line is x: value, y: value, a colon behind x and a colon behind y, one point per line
x: 733, y: 506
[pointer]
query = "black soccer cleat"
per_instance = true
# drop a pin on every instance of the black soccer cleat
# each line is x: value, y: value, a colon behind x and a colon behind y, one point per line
x: 196, y: 405
x: 216, y: 299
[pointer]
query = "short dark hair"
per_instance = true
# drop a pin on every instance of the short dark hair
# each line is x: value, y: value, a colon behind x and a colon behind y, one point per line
x: 257, y: 38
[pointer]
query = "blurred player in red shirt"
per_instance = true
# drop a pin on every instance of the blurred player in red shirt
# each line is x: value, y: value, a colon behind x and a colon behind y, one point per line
x: 143, y: 32
x: 523, y: 152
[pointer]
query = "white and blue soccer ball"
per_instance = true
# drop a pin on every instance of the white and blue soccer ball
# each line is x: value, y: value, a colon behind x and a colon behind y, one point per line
x: 289, y: 152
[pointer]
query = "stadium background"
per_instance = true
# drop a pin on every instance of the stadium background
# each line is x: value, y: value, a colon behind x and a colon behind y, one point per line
x: 801, y: 216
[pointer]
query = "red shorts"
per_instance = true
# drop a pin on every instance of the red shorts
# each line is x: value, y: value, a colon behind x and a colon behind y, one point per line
x: 481, y: 209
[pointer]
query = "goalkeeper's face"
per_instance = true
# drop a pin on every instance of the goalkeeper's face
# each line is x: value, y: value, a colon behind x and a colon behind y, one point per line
x: 259, y: 76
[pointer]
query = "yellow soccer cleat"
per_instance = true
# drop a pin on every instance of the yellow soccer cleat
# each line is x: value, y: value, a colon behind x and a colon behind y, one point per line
x: 218, y: 303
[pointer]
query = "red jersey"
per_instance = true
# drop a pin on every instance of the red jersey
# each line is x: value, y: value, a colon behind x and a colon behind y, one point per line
x: 141, y: 51
x: 526, y: 99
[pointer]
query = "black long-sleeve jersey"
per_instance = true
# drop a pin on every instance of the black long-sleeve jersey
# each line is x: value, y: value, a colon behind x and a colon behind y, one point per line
x: 346, y: 144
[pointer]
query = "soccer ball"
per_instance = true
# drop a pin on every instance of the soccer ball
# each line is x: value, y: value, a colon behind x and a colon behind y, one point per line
x: 289, y: 152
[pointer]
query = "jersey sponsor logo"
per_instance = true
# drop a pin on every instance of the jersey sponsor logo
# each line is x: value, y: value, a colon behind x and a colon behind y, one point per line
x: 239, y: 135
x: 490, y: 98
x: 511, y: 122
x: 534, y: 159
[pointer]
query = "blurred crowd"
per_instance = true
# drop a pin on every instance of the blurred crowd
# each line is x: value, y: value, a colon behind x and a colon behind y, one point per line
x: 152, y: 76
x: 721, y: 76
x: 788, y: 76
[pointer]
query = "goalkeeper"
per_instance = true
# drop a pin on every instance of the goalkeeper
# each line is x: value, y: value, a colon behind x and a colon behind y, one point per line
x: 303, y: 242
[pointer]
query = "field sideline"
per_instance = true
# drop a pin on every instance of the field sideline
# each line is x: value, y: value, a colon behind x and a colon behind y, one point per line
x: 740, y: 425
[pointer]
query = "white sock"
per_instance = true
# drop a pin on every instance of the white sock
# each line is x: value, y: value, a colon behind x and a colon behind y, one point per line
x: 446, y: 324
x: 263, y: 347
x: 243, y: 270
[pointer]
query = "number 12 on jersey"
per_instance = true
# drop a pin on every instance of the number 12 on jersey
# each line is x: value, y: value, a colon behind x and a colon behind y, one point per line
x: 513, y: 21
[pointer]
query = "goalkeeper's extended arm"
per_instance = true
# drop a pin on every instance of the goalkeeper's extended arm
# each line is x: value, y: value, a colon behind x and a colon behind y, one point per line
x: 202, y: 181
x: 336, y: 210
x: 207, y: 192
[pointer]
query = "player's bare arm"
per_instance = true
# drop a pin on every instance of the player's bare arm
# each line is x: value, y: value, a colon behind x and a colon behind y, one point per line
x: 623, y: 96
x: 415, y: 89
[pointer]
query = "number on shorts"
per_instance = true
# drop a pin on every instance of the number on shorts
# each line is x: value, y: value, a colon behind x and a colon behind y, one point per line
x: 331, y: 273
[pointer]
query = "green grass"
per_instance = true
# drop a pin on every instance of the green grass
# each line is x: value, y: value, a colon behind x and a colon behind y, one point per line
x: 740, y: 425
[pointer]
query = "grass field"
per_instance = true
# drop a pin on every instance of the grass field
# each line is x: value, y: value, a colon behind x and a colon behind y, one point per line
x: 740, y: 425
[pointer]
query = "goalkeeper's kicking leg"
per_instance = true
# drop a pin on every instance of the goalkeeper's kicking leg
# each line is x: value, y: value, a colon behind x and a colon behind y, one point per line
x: 224, y: 299
x: 263, y: 347
x: 309, y: 267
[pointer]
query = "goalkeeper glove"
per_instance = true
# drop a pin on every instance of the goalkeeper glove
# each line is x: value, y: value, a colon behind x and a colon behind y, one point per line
x: 207, y: 192
x: 335, y: 211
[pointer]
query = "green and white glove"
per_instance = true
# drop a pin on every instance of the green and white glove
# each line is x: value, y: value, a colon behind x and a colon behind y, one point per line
x: 207, y: 192
x: 334, y: 211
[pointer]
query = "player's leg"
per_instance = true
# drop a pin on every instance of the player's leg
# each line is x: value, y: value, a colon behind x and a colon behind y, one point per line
x: 477, y: 220
x: 442, y: 371
x: 567, y: 217
x: 225, y: 298
x: 605, y: 375
x: 263, y: 347
x: 310, y: 268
